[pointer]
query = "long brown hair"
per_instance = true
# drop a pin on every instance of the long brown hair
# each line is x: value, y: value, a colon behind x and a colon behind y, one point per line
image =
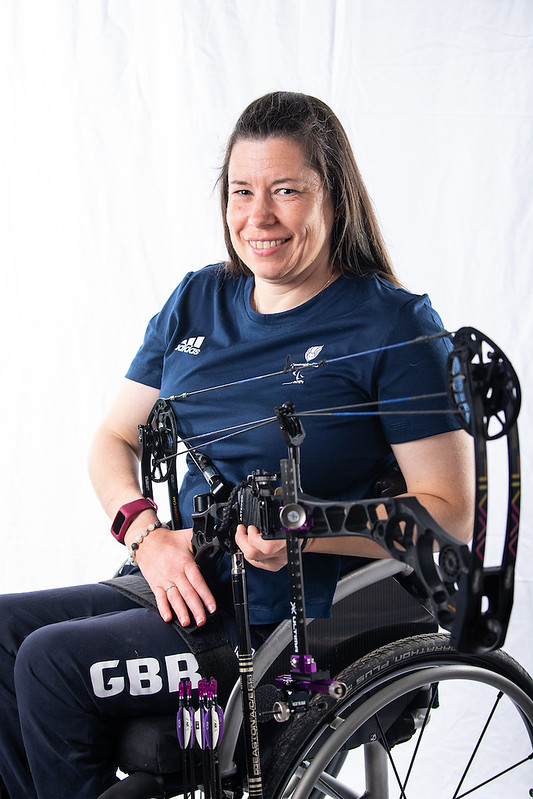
x: 357, y: 246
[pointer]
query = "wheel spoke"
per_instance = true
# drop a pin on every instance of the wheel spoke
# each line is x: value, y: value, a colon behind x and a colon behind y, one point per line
x: 423, y: 727
x: 495, y: 777
x: 391, y: 759
x: 476, y: 748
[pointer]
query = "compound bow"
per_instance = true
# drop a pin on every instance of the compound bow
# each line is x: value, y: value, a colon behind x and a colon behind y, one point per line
x: 472, y: 601
x: 469, y: 599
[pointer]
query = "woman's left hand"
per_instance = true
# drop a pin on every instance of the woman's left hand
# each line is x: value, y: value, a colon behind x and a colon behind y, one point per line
x: 269, y: 555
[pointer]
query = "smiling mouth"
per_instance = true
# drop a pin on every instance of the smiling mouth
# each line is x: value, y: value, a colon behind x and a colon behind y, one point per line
x: 266, y: 245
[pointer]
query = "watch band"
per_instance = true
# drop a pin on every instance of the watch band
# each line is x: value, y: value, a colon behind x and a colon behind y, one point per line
x: 126, y: 515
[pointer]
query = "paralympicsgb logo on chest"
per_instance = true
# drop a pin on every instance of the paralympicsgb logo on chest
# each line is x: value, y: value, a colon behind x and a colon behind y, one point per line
x: 313, y: 352
x: 310, y: 355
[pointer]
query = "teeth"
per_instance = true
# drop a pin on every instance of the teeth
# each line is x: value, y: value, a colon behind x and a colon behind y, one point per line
x: 265, y: 245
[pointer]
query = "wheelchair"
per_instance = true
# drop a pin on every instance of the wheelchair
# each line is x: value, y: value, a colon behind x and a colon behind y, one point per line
x: 410, y: 709
x: 408, y: 691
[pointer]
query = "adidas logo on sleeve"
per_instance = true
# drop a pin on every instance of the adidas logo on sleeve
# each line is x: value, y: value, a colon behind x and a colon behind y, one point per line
x: 191, y: 345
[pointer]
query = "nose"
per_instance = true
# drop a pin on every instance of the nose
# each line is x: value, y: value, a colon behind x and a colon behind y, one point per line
x: 261, y: 211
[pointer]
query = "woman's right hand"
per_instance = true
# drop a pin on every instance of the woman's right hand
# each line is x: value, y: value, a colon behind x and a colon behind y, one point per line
x: 166, y: 560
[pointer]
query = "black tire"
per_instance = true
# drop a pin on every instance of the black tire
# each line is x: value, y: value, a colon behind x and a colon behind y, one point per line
x: 384, y: 688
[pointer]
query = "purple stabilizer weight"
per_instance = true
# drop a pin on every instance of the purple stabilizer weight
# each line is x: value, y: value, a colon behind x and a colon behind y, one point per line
x: 305, y: 677
x: 332, y: 688
x: 303, y: 664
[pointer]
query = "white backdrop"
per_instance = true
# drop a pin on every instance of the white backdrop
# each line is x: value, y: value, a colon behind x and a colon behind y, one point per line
x: 114, y: 115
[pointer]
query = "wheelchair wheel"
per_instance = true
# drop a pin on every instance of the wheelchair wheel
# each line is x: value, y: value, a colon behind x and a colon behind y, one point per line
x: 419, y: 719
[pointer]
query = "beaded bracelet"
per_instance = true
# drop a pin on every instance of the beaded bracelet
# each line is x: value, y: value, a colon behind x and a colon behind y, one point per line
x: 142, y: 535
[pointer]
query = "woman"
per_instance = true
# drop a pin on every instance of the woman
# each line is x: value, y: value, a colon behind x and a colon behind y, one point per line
x: 308, y: 276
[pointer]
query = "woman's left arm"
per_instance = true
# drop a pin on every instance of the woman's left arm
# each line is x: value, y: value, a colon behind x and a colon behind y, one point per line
x: 438, y: 471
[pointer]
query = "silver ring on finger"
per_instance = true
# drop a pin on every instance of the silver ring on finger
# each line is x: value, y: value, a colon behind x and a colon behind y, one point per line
x: 172, y: 585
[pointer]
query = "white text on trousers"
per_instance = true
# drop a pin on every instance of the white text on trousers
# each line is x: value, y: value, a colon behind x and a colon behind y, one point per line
x: 142, y: 676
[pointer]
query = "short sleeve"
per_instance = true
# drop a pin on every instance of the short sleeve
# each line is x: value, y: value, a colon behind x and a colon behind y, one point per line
x: 147, y: 365
x: 411, y: 379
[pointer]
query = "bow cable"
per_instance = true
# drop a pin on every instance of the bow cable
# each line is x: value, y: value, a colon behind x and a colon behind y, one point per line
x: 340, y: 410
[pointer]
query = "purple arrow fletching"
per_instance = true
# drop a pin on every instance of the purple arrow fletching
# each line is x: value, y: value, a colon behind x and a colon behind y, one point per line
x: 214, y: 728
x: 206, y: 728
x: 198, y: 728
x: 184, y: 726
x: 220, y: 714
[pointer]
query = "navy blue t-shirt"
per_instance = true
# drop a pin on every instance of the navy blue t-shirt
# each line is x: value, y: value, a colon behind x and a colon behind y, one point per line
x: 207, y: 334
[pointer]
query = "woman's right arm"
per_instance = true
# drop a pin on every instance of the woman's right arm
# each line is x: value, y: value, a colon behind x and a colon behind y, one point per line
x: 115, y: 452
x: 164, y: 557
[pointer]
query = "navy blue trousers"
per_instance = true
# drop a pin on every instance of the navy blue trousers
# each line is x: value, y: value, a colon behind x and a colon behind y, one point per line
x: 72, y: 660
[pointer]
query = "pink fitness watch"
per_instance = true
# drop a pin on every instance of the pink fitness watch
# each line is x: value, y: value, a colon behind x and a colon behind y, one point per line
x: 126, y: 515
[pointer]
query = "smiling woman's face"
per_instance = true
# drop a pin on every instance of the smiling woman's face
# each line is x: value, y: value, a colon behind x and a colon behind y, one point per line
x: 279, y: 214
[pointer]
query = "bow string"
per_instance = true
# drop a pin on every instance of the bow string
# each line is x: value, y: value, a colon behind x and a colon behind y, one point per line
x: 292, y: 368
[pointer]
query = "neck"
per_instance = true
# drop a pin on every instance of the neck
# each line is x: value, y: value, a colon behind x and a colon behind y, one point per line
x: 267, y: 298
